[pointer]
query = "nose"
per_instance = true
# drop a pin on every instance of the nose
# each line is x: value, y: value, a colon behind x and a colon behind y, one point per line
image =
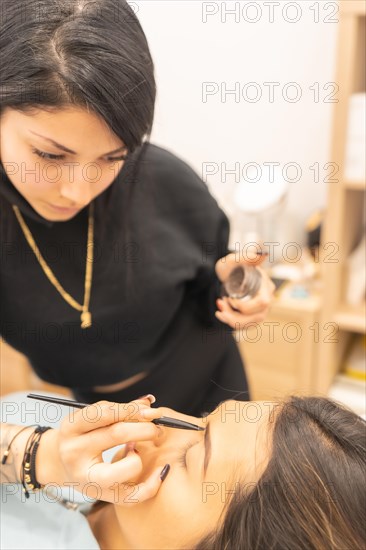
x: 76, y: 186
x: 77, y: 194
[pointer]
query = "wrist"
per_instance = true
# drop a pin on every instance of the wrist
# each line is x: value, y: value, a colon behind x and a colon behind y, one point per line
x: 48, y: 463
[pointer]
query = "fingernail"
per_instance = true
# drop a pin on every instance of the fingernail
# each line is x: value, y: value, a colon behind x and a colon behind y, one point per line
x: 150, y: 397
x: 165, y: 472
x: 220, y: 305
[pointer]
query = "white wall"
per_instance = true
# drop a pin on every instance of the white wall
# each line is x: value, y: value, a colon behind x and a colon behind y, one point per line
x: 189, y: 52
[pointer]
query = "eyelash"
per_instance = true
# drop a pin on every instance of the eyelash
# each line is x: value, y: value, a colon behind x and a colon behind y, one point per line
x: 48, y: 156
x: 182, y: 457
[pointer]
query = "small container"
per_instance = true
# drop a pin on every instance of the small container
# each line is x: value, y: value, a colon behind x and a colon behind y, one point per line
x: 243, y: 283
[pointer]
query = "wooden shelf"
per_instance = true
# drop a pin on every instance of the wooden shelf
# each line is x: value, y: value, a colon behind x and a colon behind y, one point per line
x: 281, y: 353
x: 344, y: 219
x: 353, y: 7
x: 350, y: 392
x: 351, y: 318
x: 310, y: 304
x: 355, y: 185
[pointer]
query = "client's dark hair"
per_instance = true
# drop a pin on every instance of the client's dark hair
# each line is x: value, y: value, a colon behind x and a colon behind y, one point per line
x: 312, y: 493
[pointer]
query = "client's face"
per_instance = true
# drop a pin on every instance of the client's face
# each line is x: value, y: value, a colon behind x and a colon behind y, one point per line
x: 206, y: 467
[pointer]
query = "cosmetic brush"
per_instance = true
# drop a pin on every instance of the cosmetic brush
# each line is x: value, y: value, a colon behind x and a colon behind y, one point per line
x: 162, y: 421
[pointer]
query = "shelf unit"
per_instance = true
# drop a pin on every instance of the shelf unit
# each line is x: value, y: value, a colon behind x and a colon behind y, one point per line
x: 345, y: 212
x: 280, y: 355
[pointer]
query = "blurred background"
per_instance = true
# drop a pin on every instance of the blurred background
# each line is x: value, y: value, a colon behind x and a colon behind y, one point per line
x: 212, y: 87
x: 266, y: 101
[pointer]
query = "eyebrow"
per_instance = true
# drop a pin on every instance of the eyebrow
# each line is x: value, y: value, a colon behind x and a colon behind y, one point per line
x: 208, y: 448
x: 67, y: 150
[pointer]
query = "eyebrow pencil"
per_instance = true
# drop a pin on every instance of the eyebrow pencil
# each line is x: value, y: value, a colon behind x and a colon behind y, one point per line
x: 257, y: 252
x: 162, y: 421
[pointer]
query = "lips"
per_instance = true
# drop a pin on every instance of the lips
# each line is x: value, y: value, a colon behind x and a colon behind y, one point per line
x: 63, y: 208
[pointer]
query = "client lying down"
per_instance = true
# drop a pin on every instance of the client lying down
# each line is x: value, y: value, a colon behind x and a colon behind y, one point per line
x: 286, y: 475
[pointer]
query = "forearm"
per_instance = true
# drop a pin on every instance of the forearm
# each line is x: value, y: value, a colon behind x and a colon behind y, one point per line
x: 10, y: 471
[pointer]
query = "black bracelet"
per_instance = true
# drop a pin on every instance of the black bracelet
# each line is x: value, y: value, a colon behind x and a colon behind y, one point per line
x: 6, y: 454
x: 28, y: 470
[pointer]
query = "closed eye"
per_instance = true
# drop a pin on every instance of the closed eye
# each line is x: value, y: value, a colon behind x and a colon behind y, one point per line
x: 49, y: 156
x: 183, y: 454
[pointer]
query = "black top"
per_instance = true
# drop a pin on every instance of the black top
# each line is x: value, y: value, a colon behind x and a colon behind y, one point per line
x: 154, y: 282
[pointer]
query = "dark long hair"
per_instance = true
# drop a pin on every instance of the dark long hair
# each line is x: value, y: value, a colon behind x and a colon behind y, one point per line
x: 94, y: 55
x: 312, y: 494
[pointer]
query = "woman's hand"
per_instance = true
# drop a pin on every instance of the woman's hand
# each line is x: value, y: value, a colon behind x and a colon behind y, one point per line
x: 72, y: 455
x: 238, y: 313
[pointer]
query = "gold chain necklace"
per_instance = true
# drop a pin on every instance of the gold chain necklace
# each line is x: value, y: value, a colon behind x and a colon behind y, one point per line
x: 86, y: 318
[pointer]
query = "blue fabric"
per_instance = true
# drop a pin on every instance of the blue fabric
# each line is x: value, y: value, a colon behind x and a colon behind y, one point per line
x: 41, y: 522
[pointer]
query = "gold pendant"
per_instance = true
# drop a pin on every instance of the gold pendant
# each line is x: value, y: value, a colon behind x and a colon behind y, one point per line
x: 86, y: 319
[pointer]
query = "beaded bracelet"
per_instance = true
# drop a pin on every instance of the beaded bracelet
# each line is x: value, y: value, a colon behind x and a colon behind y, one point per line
x: 28, y: 469
x: 6, y: 454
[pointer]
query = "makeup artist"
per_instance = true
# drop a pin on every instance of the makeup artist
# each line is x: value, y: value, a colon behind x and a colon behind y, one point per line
x: 113, y: 250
